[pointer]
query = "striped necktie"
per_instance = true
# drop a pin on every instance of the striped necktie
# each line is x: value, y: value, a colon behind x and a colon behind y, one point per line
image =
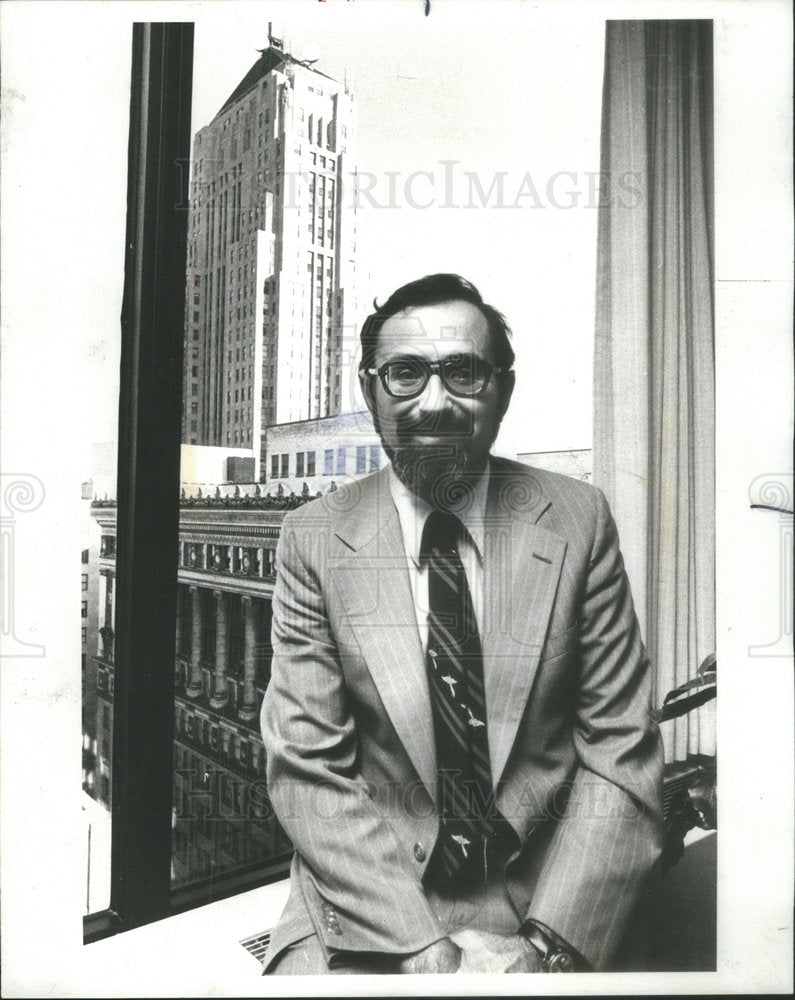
x: 455, y: 676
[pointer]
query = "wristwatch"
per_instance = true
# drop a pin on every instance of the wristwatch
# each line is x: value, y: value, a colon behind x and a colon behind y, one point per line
x: 554, y: 956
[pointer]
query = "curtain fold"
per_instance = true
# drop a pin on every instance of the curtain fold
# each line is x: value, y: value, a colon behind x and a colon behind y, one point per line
x: 654, y: 371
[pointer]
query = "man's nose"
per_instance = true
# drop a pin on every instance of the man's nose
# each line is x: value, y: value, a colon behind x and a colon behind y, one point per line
x: 434, y: 398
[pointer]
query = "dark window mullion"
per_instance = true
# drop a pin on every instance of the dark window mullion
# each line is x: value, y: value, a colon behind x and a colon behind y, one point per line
x: 150, y: 411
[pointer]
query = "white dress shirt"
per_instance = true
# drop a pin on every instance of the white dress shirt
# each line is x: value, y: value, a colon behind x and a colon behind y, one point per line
x: 413, y: 513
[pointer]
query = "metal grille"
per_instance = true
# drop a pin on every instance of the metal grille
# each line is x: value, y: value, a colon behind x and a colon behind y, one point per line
x: 675, y: 782
x: 257, y: 944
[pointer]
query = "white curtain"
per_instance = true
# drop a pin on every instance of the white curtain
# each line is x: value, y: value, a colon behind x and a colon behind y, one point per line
x: 654, y: 372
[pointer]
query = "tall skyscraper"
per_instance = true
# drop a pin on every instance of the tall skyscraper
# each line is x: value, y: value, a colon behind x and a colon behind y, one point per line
x: 271, y: 281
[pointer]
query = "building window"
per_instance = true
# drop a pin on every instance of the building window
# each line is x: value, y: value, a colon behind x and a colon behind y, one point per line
x: 375, y: 457
x: 310, y: 463
x: 342, y: 458
x: 274, y: 466
x: 328, y: 462
x: 361, y: 459
x: 299, y: 464
x: 285, y: 466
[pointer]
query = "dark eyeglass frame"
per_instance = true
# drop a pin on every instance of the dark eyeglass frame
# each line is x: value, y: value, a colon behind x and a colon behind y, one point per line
x: 439, y: 368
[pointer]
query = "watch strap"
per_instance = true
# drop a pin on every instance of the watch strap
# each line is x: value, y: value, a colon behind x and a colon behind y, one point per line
x: 555, y: 956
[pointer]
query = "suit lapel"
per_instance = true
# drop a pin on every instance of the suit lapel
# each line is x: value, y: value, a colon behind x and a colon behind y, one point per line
x: 372, y: 579
x: 522, y: 563
x: 521, y: 566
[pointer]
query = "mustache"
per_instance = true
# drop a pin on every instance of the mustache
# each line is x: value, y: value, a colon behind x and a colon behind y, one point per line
x: 442, y: 424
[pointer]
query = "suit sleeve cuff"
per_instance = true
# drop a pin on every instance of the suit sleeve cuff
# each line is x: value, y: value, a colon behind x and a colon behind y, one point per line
x: 381, y: 961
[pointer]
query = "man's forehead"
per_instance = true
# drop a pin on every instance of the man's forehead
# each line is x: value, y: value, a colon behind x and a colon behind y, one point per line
x: 438, y: 328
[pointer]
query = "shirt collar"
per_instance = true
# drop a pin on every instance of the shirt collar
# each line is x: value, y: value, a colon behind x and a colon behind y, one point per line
x: 413, y: 513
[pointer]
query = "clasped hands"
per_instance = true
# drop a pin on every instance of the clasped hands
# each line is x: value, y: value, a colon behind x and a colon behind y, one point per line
x: 470, y: 950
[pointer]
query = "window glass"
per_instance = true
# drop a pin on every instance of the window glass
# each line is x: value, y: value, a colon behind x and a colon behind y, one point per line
x: 231, y: 513
x: 102, y: 296
x: 98, y: 609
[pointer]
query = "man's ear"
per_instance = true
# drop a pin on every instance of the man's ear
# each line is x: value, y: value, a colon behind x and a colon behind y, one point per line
x: 366, y: 384
x: 506, y: 391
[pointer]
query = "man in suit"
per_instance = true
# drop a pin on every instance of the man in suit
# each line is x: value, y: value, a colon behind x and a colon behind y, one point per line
x: 458, y: 724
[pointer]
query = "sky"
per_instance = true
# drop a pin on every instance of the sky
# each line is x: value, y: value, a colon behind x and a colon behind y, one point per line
x: 474, y: 104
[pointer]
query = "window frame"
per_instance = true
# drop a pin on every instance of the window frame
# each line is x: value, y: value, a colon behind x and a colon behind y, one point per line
x: 147, y: 538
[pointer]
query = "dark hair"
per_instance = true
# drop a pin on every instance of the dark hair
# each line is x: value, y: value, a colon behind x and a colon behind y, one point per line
x: 429, y: 291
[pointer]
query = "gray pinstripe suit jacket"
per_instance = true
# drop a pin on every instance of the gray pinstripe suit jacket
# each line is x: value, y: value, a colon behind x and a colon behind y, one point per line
x: 575, y: 755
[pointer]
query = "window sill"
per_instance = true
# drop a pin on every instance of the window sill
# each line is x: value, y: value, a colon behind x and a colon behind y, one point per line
x: 196, y: 953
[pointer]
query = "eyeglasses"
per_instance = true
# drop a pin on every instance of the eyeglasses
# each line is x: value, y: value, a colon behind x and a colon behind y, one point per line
x: 461, y: 374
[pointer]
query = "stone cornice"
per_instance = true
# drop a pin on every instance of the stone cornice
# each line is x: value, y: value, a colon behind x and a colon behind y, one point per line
x: 227, y: 534
x: 218, y: 526
x: 254, y: 586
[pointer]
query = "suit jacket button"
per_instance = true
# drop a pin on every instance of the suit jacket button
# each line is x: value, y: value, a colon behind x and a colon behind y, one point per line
x: 419, y: 852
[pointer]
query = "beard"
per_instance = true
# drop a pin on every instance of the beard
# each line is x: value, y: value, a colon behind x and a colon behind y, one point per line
x: 443, y: 474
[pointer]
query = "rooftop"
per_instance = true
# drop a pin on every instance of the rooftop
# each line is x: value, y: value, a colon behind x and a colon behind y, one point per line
x: 269, y: 59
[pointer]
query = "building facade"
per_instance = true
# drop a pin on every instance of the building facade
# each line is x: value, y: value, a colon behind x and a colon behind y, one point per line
x: 271, y: 304
x: 222, y: 820
x: 312, y: 454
